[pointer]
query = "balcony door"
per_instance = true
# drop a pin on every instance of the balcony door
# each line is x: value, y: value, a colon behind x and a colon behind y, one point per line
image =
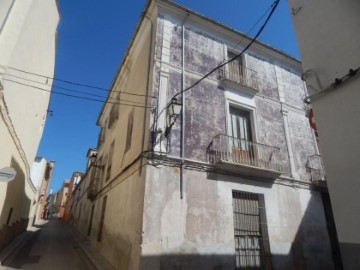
x: 235, y: 68
x: 240, y: 138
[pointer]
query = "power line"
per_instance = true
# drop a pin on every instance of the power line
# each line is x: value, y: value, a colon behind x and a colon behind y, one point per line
x: 74, y: 83
x: 78, y: 97
x: 249, y: 31
x: 273, y: 7
x: 72, y: 90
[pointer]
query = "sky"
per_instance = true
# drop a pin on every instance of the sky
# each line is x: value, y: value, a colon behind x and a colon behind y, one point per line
x: 91, y: 41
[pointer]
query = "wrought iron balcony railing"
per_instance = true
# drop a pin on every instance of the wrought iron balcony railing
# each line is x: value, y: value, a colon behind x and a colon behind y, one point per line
x: 238, y: 74
x: 315, y: 167
x: 245, y: 156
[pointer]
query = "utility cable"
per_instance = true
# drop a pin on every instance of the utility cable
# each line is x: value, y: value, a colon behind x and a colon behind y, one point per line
x: 273, y: 6
x: 78, y: 97
x: 73, y: 83
x: 249, y: 31
x: 72, y: 90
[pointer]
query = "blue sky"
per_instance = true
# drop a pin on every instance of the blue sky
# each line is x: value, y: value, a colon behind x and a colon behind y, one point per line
x: 92, y: 38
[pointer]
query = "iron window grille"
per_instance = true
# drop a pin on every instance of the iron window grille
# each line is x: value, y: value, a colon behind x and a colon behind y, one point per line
x: 252, y: 248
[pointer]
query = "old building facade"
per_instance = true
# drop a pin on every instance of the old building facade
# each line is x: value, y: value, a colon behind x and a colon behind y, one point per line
x: 27, y: 47
x: 74, y: 181
x: 227, y: 184
x: 61, y: 197
x: 41, y: 173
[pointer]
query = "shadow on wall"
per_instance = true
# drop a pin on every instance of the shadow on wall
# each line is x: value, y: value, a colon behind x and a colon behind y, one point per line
x: 16, y: 207
x: 310, y: 250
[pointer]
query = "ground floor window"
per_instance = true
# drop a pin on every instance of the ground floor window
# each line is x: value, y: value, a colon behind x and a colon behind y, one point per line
x: 252, y: 249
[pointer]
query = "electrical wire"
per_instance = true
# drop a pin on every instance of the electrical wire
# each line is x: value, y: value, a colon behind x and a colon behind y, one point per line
x: 74, y: 83
x: 249, y: 31
x: 273, y: 7
x: 78, y: 97
x: 72, y: 90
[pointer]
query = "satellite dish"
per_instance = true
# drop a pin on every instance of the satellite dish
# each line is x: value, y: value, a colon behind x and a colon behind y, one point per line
x: 7, y: 174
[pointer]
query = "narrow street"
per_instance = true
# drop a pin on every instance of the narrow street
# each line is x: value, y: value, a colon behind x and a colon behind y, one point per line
x: 50, y: 247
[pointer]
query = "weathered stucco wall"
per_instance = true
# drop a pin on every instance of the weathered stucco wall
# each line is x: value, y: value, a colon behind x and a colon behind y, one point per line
x: 122, y: 184
x: 205, y: 104
x: 197, y: 231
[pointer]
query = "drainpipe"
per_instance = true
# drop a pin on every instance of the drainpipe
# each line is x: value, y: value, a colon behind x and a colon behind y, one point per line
x: 147, y: 89
x: 182, y: 135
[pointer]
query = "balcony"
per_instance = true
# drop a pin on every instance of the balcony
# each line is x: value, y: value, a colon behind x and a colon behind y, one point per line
x: 244, y: 157
x: 236, y: 75
x: 95, y: 178
x: 316, y: 169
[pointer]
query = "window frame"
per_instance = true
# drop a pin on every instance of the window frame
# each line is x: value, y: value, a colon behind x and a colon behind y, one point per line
x: 227, y: 50
x: 244, y: 103
x: 264, y: 240
x: 109, y: 163
x: 129, y: 131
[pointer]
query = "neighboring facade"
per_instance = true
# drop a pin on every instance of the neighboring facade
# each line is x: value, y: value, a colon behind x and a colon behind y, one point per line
x: 82, y: 209
x: 238, y: 193
x: 27, y: 43
x: 74, y: 181
x: 331, y: 68
x: 50, y: 204
x: 41, y: 172
x: 61, y: 198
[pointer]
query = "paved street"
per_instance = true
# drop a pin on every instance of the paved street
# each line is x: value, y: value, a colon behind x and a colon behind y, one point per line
x: 50, y: 247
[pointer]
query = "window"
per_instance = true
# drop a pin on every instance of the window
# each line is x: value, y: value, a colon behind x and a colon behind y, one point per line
x: 101, y: 138
x: 252, y: 248
x: 240, y: 124
x: 129, y: 131
x: 101, y: 224
x: 240, y: 136
x: 114, y: 115
x: 108, y: 169
x: 235, y: 68
x: 99, y: 171
x: 91, y: 220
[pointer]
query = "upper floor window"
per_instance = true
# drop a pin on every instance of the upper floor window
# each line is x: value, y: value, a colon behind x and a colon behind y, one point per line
x: 101, y: 138
x: 114, y: 115
x: 237, y: 74
x: 109, y: 165
x: 240, y: 124
x: 235, y: 68
x: 129, y: 131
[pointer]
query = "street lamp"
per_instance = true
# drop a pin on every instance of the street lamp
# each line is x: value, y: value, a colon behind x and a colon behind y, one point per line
x: 173, y: 111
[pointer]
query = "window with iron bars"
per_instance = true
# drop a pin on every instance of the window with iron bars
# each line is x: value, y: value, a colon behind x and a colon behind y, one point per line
x: 252, y: 248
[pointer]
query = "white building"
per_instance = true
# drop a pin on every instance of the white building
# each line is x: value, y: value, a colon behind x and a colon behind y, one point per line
x: 41, y: 172
x: 27, y: 47
x: 329, y: 42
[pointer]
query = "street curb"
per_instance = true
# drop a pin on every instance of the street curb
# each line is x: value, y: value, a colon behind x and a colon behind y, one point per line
x: 10, y: 251
x: 94, y: 257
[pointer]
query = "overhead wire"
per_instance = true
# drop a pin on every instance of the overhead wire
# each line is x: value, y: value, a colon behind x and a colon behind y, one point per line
x: 74, y: 96
x: 71, y: 90
x: 73, y: 83
x: 249, y: 31
x: 273, y: 8
x: 118, y: 101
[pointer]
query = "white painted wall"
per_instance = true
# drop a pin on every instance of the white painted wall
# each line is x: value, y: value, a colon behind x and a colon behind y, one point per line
x: 329, y: 42
x: 37, y: 171
x: 27, y: 42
